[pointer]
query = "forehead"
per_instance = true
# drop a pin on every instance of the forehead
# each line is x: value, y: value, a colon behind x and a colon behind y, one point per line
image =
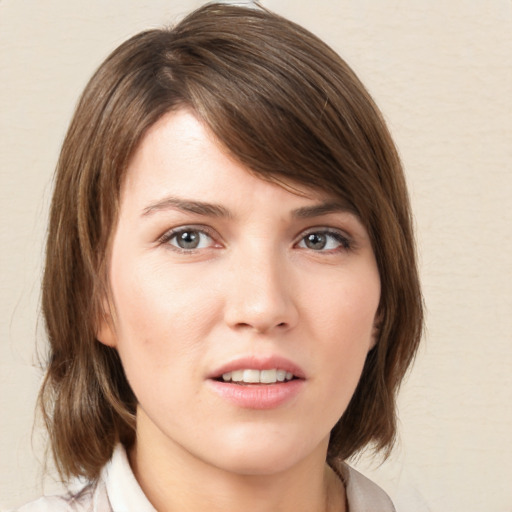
x: 179, y: 156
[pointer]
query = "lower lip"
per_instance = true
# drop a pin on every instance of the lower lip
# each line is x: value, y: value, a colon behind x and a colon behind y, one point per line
x: 257, y: 396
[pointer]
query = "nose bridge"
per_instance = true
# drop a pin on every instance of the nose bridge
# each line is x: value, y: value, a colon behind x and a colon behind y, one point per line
x: 260, y: 293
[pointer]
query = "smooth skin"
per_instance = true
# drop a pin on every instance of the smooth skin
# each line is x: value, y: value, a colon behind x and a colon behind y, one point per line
x: 210, y: 264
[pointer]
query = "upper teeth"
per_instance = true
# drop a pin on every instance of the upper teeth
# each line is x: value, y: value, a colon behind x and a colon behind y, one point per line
x: 258, y: 376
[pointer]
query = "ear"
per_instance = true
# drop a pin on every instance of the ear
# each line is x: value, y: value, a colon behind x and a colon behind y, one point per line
x: 105, y: 328
x: 377, y: 325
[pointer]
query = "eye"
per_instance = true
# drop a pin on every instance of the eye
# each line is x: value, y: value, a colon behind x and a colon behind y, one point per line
x: 188, y: 239
x: 324, y: 241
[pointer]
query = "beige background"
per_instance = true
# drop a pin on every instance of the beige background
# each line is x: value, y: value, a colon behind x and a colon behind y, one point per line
x: 441, y: 70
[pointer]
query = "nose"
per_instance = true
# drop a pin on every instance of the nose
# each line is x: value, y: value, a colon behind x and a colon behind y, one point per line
x: 260, y: 296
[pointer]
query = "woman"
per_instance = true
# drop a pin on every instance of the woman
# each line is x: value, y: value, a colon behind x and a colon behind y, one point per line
x: 230, y: 292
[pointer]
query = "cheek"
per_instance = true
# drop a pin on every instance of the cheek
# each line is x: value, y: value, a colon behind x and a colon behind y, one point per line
x: 162, y: 317
x: 344, y: 319
x: 347, y: 307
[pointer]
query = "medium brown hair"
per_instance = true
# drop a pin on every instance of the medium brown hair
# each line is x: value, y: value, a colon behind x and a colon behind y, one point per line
x: 290, y: 109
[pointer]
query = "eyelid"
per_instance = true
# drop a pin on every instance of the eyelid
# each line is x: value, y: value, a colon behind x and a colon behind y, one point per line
x: 170, y: 233
x: 342, y: 236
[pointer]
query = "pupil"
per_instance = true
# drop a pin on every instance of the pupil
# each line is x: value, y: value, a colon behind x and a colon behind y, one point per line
x: 188, y: 240
x: 316, y: 241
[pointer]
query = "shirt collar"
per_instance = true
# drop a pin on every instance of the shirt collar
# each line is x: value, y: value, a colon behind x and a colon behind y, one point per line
x: 124, y: 492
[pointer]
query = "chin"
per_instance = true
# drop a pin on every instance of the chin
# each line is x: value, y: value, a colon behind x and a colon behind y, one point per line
x: 256, y: 464
x: 264, y: 453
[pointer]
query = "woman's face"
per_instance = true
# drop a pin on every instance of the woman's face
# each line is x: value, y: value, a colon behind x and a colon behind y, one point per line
x: 243, y: 312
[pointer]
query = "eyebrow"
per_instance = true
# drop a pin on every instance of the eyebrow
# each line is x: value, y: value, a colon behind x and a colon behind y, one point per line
x: 317, y: 210
x: 216, y: 210
x: 197, y: 207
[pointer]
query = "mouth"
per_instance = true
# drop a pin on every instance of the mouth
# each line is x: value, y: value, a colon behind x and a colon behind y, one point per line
x: 252, y: 376
x: 258, y: 382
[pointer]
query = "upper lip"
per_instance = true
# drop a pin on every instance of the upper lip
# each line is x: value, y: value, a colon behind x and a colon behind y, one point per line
x: 258, y: 363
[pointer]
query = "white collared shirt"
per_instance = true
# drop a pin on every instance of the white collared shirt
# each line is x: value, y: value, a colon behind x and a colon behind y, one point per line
x: 117, y: 490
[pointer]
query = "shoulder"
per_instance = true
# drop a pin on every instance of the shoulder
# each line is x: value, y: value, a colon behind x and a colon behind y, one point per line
x: 84, y: 500
x: 116, y: 490
x: 363, y: 495
x: 46, y: 504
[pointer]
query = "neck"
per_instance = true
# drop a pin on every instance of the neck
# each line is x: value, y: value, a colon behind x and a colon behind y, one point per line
x: 173, y: 479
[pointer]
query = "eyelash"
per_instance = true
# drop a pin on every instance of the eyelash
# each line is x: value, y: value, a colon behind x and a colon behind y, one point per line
x: 344, y: 241
x: 173, y: 233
